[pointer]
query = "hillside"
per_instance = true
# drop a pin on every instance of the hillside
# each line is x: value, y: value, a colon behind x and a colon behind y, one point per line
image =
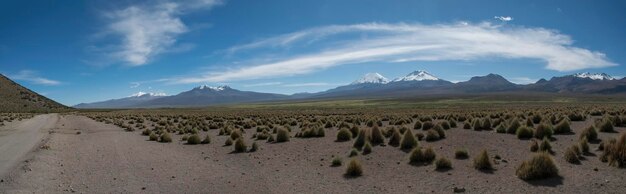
x: 16, y: 98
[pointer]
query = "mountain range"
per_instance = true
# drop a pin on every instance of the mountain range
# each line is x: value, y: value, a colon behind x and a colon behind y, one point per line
x: 374, y: 85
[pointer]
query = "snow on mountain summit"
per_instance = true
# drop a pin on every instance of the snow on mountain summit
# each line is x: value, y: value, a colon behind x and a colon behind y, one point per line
x: 218, y: 88
x: 374, y: 78
x: 417, y: 76
x: 141, y: 94
x: 594, y: 76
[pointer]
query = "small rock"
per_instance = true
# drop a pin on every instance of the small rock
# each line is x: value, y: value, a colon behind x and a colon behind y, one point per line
x: 143, y: 188
x: 459, y: 189
x: 595, y: 169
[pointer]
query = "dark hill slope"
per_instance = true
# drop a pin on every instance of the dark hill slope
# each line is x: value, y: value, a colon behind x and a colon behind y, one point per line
x: 16, y: 98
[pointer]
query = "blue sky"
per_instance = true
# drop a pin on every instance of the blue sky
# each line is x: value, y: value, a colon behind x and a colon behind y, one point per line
x: 85, y: 51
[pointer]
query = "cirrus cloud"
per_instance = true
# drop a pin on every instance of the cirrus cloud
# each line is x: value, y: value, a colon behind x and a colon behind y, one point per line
x: 389, y: 43
x: 34, y: 78
x: 149, y: 30
x: 503, y: 18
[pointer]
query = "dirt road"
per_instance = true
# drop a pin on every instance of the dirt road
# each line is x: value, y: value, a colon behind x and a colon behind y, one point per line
x: 18, y: 138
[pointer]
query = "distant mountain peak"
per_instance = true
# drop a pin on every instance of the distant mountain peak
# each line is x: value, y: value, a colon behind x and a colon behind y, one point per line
x: 213, y: 88
x: 419, y: 75
x: 374, y: 78
x: 594, y: 76
x: 145, y: 94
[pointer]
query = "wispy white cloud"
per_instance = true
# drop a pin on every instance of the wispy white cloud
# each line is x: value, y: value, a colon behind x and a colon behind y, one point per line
x: 312, y: 84
x: 263, y: 84
x: 381, y: 42
x: 149, y: 30
x: 523, y: 80
x: 135, y: 84
x: 34, y: 78
x: 503, y: 18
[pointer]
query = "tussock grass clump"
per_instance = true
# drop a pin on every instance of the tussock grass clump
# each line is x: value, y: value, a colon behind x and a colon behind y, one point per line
x: 485, y: 124
x: 461, y: 154
x: 584, y: 145
x: 571, y: 155
x: 206, y: 140
x: 440, y: 131
x: 513, y: 126
x: 146, y: 132
x: 354, y: 152
x: 562, y: 127
x: 545, y: 146
x: 590, y: 133
x: 153, y: 136
x: 315, y: 131
x: 282, y: 135
x: 501, y: 128
x: 166, y: 137
x: 482, y: 161
x: 445, y: 125
x: 360, y: 140
x: 240, y: 145
x: 452, y: 122
x: 443, y: 163
x: 194, y: 139
x: 395, y: 138
x: 534, y: 146
x: 419, y: 156
x: 524, y: 133
x: 615, y: 152
x: 377, y: 136
x: 336, y: 162
x: 541, y: 166
x: 367, y: 148
x: 408, y: 141
x: 235, y: 134
x: 543, y: 130
x: 228, y: 142
x: 262, y: 135
x: 354, y: 169
x: 254, y: 147
x: 354, y: 130
x: 427, y: 125
x: 429, y: 154
x: 417, y: 125
x: 476, y: 125
x: 467, y: 125
x: 344, y: 135
x: 432, y: 135
x: 419, y: 136
x: 606, y: 126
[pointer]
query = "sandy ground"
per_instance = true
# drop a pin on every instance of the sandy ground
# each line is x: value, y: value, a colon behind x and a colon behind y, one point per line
x: 105, y: 159
x: 19, y: 138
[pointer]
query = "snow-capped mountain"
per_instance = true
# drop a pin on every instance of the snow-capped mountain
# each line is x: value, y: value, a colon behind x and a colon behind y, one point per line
x: 420, y: 75
x: 594, y: 76
x: 210, y: 95
x: 371, y: 78
x: 127, y: 102
x: 214, y: 88
x: 147, y: 94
